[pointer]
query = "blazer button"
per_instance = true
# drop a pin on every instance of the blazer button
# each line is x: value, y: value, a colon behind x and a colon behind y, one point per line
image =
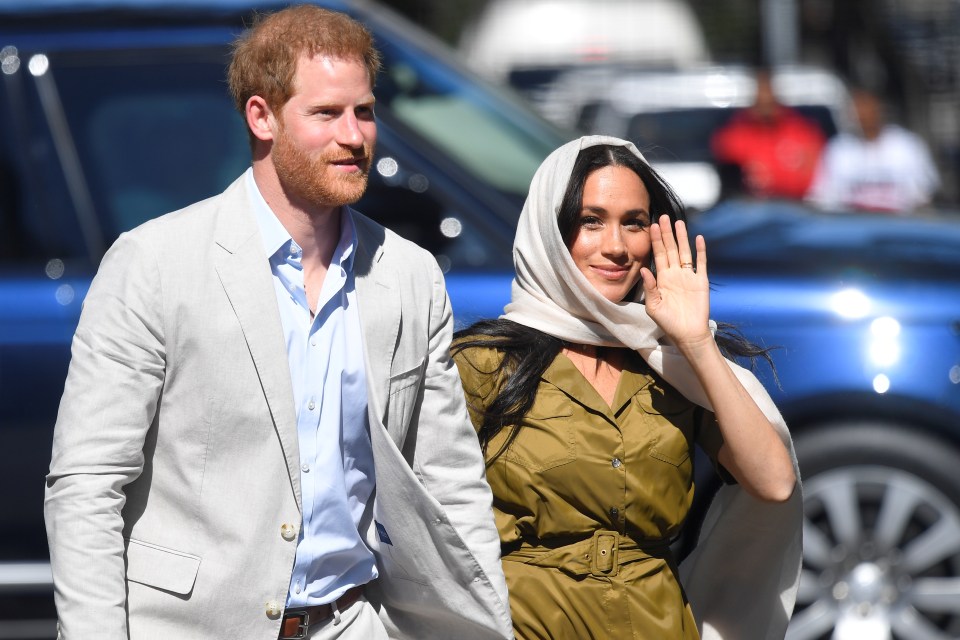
x: 288, y: 531
x: 274, y: 609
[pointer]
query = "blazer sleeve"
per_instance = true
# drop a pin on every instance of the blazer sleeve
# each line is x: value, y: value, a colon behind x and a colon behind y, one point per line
x: 113, y: 385
x: 448, y: 459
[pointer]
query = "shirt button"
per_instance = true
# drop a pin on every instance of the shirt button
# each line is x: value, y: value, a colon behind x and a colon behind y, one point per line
x: 297, y: 587
x: 614, y: 512
x: 288, y: 531
x: 305, y: 468
x: 274, y: 609
x: 311, y: 405
x: 615, y: 463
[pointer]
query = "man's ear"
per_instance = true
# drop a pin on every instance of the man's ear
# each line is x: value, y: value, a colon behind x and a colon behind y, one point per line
x: 260, y: 118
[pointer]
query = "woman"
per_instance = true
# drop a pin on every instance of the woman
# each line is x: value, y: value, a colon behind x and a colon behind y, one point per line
x: 587, y: 403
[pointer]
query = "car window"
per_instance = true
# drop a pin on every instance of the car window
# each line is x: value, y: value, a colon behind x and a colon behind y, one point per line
x: 154, y: 132
x: 37, y: 215
x: 489, y: 137
x: 679, y: 134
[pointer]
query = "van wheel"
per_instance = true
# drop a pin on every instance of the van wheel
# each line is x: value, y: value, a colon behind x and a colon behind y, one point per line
x: 881, y: 535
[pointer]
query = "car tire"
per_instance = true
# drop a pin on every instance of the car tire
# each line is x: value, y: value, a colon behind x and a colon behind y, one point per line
x: 881, y: 554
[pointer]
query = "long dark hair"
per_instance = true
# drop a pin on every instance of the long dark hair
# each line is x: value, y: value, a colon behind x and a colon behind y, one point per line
x: 528, y: 352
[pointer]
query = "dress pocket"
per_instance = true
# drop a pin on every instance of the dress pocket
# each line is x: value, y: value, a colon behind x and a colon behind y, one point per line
x: 546, y: 438
x: 670, y: 453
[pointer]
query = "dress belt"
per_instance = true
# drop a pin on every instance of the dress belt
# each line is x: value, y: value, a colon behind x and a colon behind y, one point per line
x: 600, y: 555
x: 296, y: 623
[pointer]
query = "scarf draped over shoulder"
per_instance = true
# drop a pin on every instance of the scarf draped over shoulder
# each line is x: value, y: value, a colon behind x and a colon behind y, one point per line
x: 742, y: 578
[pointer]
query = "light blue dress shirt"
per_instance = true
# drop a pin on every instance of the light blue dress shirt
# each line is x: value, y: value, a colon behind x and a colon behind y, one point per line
x: 330, y: 394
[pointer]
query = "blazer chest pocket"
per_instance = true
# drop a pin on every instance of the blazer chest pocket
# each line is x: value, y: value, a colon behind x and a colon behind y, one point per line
x: 404, y: 389
x: 161, y: 568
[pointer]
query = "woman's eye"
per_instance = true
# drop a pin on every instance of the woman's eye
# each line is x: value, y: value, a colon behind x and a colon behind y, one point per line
x: 590, y: 221
x: 637, y: 223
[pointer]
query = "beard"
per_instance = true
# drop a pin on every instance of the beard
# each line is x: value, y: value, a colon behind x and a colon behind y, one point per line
x: 313, y: 179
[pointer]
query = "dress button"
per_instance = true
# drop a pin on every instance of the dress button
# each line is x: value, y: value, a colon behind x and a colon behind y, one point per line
x: 615, y: 463
x: 274, y: 609
x: 288, y: 531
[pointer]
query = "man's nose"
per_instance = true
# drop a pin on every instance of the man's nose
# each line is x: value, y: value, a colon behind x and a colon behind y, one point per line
x: 348, y: 132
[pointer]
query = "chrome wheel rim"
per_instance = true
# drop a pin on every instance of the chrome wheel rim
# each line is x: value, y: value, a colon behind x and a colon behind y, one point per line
x: 881, y: 558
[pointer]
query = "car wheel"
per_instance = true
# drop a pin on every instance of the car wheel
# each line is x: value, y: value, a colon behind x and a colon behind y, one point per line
x: 881, y: 547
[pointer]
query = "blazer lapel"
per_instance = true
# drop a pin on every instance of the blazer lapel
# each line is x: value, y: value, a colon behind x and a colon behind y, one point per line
x: 379, y: 304
x: 244, y: 272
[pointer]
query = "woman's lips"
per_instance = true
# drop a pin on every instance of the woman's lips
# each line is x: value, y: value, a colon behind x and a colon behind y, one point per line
x: 611, y: 272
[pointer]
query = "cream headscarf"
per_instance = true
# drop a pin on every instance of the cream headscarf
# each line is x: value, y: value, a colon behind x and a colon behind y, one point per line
x: 742, y: 578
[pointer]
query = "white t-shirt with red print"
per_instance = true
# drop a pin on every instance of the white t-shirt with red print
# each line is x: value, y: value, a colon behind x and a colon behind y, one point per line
x: 893, y: 173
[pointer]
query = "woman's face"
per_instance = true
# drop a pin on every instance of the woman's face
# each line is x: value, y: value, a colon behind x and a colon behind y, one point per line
x: 611, y: 239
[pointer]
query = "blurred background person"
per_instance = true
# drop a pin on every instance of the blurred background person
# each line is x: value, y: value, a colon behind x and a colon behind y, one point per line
x: 767, y: 150
x: 884, y: 168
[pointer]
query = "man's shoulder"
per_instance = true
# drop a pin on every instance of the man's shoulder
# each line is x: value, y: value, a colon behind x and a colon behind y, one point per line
x: 845, y: 143
x: 896, y: 136
x: 799, y: 123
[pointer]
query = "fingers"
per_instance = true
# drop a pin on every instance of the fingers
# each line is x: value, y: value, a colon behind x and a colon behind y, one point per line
x: 672, y: 248
x: 649, y: 284
x: 656, y: 243
x: 701, y: 255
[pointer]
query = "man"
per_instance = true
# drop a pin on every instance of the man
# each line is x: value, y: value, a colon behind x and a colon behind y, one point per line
x: 262, y: 434
x: 886, y: 169
x: 767, y: 150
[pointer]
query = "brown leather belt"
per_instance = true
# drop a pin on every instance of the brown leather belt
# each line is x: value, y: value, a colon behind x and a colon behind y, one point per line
x: 297, y: 622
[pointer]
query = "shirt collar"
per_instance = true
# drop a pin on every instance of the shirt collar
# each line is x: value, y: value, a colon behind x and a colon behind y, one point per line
x: 564, y: 375
x: 275, y: 237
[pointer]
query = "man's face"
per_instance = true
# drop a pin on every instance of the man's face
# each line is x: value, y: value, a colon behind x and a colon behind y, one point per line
x: 325, y: 134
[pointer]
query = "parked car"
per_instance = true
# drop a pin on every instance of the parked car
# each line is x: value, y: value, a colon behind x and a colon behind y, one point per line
x: 116, y: 111
x: 671, y: 114
x: 110, y: 117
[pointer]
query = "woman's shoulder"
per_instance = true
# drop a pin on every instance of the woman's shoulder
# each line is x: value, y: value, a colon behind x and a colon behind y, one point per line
x: 478, y: 352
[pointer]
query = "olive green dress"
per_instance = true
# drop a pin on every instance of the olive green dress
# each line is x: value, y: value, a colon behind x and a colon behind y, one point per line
x: 587, y: 499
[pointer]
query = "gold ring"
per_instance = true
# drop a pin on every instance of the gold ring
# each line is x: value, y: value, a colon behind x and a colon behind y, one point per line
x: 686, y: 265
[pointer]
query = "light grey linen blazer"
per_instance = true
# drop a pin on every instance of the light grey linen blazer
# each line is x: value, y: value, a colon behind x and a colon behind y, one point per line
x: 175, y: 457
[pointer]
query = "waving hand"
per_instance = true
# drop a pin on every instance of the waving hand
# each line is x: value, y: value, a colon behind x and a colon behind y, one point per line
x: 678, y: 296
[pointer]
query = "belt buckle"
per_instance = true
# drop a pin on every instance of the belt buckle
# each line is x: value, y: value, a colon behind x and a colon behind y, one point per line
x: 605, y: 559
x: 303, y: 624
